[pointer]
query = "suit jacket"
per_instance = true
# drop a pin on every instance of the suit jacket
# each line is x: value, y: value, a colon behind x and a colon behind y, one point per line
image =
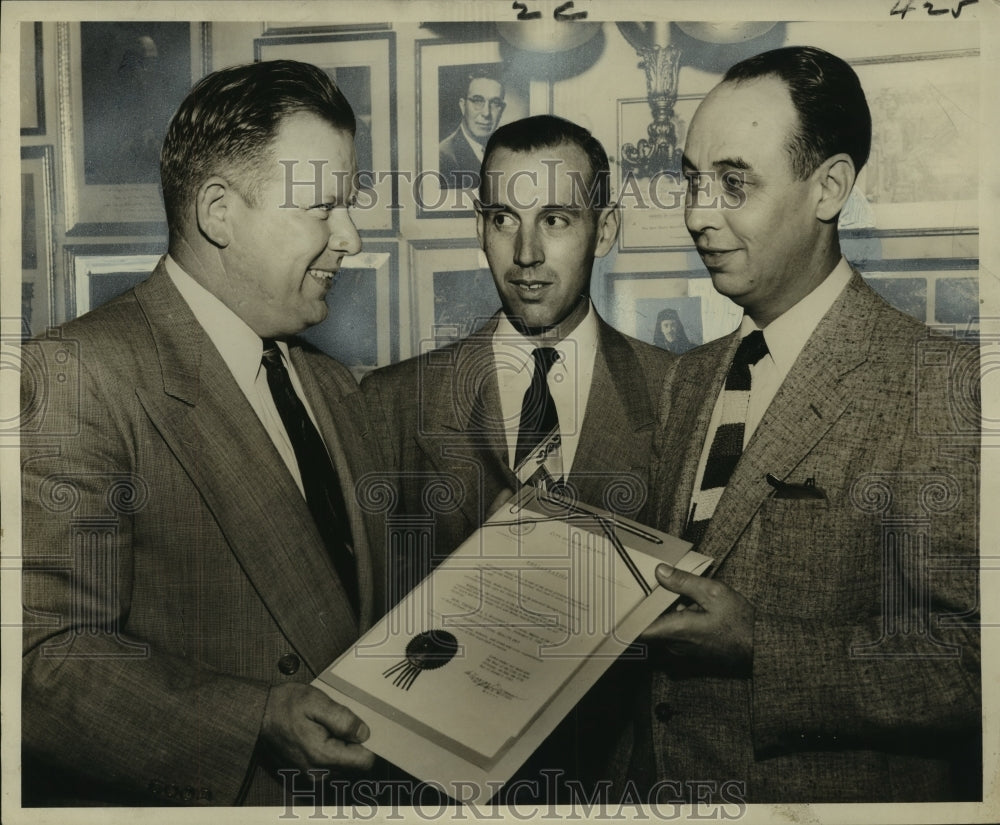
x: 439, y: 415
x: 173, y: 572
x: 865, y: 677
x: 457, y: 161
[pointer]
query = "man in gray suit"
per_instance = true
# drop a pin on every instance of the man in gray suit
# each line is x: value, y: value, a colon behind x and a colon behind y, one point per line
x: 832, y: 474
x: 190, y: 565
x: 454, y: 419
x: 451, y: 418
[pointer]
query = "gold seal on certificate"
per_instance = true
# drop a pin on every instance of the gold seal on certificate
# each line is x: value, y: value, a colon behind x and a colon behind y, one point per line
x: 426, y: 651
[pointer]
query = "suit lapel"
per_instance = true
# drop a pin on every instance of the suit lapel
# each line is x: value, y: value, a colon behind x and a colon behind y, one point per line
x: 618, y: 393
x: 463, y: 434
x: 215, y: 435
x: 814, y: 395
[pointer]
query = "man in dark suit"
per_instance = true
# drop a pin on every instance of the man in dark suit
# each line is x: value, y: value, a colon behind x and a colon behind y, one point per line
x: 451, y: 417
x: 461, y: 153
x: 190, y: 565
x: 825, y: 455
x: 455, y: 419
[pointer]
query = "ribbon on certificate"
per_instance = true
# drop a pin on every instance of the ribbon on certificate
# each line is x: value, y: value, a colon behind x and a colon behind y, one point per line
x: 425, y: 651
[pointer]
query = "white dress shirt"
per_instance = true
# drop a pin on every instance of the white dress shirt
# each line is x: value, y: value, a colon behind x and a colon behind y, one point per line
x: 241, y: 350
x: 785, y: 336
x: 569, y: 380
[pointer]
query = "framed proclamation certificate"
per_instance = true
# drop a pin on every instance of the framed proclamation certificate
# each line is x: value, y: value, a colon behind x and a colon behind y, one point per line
x: 468, y: 674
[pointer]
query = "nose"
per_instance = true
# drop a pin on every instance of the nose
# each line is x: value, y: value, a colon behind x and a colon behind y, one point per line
x: 528, y: 249
x: 344, y: 235
x: 701, y: 207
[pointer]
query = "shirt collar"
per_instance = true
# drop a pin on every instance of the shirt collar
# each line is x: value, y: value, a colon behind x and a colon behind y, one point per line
x: 240, y: 347
x: 787, y: 334
x: 575, y: 346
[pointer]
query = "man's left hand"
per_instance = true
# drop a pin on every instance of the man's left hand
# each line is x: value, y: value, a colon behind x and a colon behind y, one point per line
x: 717, y: 626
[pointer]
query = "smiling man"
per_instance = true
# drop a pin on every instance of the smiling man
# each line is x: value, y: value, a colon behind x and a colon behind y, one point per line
x: 825, y: 455
x: 190, y: 530
x: 545, y: 387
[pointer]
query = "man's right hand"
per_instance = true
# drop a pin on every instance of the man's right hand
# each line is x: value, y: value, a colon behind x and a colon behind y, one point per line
x: 303, y: 728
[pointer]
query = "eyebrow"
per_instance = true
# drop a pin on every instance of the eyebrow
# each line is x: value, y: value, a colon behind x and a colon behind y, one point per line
x: 725, y: 163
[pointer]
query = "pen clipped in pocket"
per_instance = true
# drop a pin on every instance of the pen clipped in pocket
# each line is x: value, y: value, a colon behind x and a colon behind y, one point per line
x: 785, y: 489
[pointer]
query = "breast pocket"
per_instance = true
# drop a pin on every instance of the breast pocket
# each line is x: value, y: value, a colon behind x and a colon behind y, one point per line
x: 812, y: 559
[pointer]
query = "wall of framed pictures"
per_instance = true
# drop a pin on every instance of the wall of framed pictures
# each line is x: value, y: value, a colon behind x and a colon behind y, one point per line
x: 96, y: 96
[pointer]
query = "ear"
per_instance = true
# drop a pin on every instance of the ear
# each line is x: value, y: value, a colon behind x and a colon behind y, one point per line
x: 213, y: 205
x: 462, y: 105
x: 480, y: 223
x: 607, y: 230
x: 835, y: 178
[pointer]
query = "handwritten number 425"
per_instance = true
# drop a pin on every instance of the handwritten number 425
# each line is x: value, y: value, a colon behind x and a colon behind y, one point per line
x: 901, y: 7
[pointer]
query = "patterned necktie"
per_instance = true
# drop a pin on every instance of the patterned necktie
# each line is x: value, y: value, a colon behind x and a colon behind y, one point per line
x: 727, y: 443
x: 319, y: 478
x: 538, y: 410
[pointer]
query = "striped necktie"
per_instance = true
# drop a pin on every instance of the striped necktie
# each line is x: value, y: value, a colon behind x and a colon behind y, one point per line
x: 727, y: 441
x: 538, y: 409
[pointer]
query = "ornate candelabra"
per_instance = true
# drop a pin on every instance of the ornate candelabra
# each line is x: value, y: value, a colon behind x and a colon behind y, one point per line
x: 661, y: 62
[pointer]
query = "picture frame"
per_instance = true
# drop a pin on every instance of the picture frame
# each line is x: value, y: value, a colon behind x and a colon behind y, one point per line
x: 273, y: 27
x: 637, y: 300
x: 443, y: 70
x: 362, y: 328
x: 652, y: 209
x: 32, y: 77
x: 38, y: 242
x: 942, y: 293
x: 922, y: 175
x: 118, y: 85
x: 363, y: 65
x: 450, y: 292
x: 96, y: 273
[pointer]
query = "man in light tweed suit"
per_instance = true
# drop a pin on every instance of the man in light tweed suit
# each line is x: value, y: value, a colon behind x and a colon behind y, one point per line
x: 833, y: 654
x: 179, y: 591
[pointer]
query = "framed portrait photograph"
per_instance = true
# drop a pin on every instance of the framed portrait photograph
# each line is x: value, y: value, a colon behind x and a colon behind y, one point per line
x: 37, y: 239
x: 32, y: 80
x: 96, y: 273
x: 451, y: 292
x: 923, y: 171
x: 672, y: 310
x: 118, y: 85
x: 464, y: 92
x: 361, y: 329
x: 363, y: 65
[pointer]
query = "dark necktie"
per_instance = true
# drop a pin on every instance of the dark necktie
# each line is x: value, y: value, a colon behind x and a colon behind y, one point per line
x: 319, y: 478
x: 538, y: 410
x: 727, y: 443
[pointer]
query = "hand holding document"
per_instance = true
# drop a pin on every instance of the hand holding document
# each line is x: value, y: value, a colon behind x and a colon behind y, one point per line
x: 466, y: 676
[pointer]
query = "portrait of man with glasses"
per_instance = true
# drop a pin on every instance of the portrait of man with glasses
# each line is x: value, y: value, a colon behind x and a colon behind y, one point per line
x: 461, y: 153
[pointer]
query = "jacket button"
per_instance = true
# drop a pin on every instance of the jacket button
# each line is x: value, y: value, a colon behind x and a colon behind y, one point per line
x: 289, y: 664
x: 663, y: 712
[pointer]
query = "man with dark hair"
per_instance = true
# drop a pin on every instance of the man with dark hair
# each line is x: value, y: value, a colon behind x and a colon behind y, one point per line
x: 193, y: 554
x: 468, y: 422
x: 825, y: 455
x: 461, y: 153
